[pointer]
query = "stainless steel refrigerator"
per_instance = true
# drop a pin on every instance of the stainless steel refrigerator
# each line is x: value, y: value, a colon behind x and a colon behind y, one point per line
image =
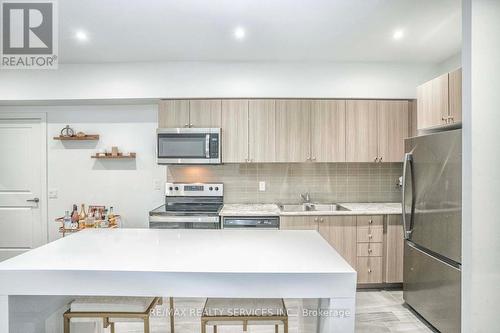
x: 432, y: 218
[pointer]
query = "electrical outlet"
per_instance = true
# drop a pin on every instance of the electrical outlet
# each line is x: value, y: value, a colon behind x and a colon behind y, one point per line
x: 262, y: 186
x: 157, y: 185
x: 53, y: 194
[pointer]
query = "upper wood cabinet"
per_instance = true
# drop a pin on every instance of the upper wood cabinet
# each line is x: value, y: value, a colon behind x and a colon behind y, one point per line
x: 262, y: 130
x: 439, y: 101
x: 266, y: 130
x: 455, y: 95
x: 328, y: 131
x: 376, y: 130
x: 205, y: 113
x: 189, y: 113
x: 234, y: 119
x: 293, y: 130
x: 173, y: 113
x: 361, y: 131
x: 393, y: 118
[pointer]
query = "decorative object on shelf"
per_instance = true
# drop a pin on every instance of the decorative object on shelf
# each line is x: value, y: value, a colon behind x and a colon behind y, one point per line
x: 67, y: 132
x: 97, y: 216
x: 115, y: 153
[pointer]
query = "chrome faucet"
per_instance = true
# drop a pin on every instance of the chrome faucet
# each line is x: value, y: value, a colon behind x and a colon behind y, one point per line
x: 306, y: 198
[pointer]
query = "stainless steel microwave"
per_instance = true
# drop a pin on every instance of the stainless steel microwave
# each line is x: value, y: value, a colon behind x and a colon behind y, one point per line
x: 189, y: 145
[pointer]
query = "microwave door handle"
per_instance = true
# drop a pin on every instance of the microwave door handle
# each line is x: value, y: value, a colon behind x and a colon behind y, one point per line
x: 407, y: 161
x: 207, y: 146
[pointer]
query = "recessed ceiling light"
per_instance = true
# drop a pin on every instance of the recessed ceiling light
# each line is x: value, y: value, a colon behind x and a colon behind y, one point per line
x: 398, y: 34
x: 239, y: 33
x: 81, y: 36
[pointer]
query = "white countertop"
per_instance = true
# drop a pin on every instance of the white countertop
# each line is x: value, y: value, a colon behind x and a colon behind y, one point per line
x: 207, y: 251
x: 181, y: 263
x: 384, y: 208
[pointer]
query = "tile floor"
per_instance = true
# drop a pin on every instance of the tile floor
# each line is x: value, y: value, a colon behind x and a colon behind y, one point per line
x: 376, y: 312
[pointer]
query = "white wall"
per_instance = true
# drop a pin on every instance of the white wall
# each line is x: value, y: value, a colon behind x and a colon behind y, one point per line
x: 481, y: 160
x: 128, y: 186
x: 185, y: 79
x: 450, y: 64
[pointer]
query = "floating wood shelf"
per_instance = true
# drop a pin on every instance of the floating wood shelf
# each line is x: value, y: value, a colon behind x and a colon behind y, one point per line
x: 77, y: 138
x: 109, y: 156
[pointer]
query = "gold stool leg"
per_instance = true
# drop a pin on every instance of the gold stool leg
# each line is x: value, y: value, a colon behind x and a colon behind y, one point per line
x: 245, y: 326
x: 146, y: 324
x: 112, y: 327
x: 276, y: 328
x: 285, y: 326
x: 215, y: 328
x: 172, y: 319
x: 203, y: 327
x: 67, y: 324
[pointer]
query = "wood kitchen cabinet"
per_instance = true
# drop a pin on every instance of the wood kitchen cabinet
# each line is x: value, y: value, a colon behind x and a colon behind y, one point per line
x: 361, y: 131
x: 393, y: 120
x: 439, y: 101
x: 432, y: 102
x: 328, y: 142
x: 455, y: 95
x: 299, y: 222
x: 173, y: 113
x: 234, y: 120
x: 189, y: 113
x: 293, y: 130
x: 394, y: 240
x: 205, y: 113
x: 261, y: 130
x: 340, y: 232
x: 376, y: 130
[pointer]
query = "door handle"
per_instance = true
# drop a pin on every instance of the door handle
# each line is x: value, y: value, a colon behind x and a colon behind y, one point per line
x: 33, y: 200
x: 207, y: 146
x: 408, y: 159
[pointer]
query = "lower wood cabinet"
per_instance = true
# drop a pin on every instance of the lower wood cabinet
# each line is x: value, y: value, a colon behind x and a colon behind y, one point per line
x: 394, y: 254
x: 370, y: 270
x: 340, y: 232
x: 373, y: 245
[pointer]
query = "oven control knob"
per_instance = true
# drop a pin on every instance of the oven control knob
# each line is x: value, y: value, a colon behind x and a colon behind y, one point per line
x: 171, y: 188
x: 211, y: 188
x: 177, y: 188
x: 216, y: 188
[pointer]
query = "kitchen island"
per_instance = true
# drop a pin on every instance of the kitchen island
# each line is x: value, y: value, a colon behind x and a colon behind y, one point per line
x: 178, y: 263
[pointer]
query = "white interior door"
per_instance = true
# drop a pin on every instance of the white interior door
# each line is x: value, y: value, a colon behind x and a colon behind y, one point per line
x: 22, y: 184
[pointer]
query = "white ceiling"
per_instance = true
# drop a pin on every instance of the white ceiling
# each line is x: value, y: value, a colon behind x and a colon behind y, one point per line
x: 276, y: 30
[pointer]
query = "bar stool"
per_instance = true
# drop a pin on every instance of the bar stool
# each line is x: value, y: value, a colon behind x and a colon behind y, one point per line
x: 245, y: 311
x: 112, y: 310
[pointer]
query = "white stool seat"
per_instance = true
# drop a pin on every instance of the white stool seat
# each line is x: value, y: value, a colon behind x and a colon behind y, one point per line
x: 111, y: 304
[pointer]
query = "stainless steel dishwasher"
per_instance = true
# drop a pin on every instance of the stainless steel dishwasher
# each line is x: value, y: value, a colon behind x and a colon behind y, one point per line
x: 251, y: 222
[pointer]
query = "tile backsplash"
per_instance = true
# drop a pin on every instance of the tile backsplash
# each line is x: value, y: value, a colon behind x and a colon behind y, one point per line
x: 326, y: 182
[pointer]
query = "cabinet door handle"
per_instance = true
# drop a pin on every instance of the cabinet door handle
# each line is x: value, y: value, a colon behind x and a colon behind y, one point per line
x: 190, y: 125
x: 370, y: 236
x: 186, y: 125
x: 369, y: 270
x: 369, y: 250
x: 36, y: 200
x: 370, y: 221
x: 375, y: 159
x: 380, y: 159
x: 321, y: 219
x: 314, y: 158
x: 315, y: 219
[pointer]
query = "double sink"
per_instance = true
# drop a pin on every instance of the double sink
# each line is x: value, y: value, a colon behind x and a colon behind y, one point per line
x: 310, y: 207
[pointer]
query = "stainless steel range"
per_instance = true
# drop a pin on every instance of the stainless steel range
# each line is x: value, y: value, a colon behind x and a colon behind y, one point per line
x: 189, y: 206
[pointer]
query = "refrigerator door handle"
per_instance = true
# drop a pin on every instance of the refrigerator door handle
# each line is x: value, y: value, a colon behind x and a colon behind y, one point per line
x: 407, y: 162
